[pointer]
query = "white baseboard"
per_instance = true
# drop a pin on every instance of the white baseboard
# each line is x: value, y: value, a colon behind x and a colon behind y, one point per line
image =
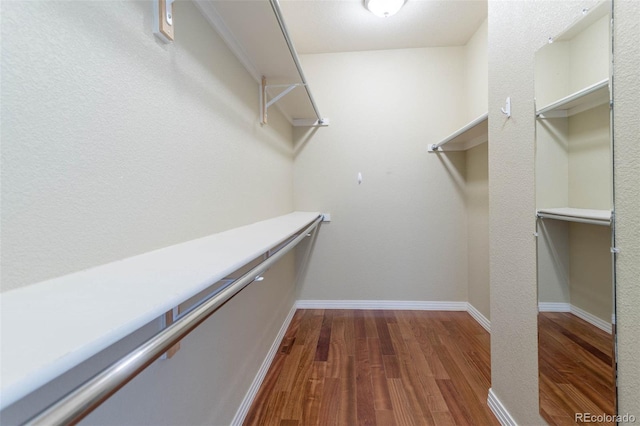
x: 580, y: 313
x: 397, y: 305
x: 499, y: 410
x: 481, y: 319
x: 245, y: 405
x: 382, y: 304
x: 554, y: 307
x: 591, y: 319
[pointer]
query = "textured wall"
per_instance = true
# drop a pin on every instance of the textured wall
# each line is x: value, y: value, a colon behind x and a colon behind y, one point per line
x: 401, y: 234
x: 626, y: 128
x: 114, y: 144
x: 516, y: 30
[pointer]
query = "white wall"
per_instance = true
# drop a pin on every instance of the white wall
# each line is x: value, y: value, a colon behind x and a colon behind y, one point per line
x: 576, y: 59
x: 590, y: 169
x: 626, y: 128
x: 401, y: 234
x: 477, y: 184
x: 516, y: 31
x: 477, y: 174
x: 114, y: 144
x: 477, y: 74
x: 590, y: 269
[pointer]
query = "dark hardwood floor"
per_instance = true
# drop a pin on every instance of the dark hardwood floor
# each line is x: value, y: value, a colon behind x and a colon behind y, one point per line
x: 359, y: 367
x: 576, y: 370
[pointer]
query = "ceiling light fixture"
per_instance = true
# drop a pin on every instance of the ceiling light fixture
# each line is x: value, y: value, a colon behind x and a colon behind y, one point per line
x: 384, y: 8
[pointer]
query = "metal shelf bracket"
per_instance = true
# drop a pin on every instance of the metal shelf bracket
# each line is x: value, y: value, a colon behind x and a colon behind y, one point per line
x: 264, y: 104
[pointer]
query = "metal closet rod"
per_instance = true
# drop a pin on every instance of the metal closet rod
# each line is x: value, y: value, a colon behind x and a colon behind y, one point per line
x: 278, y: 12
x: 85, y: 398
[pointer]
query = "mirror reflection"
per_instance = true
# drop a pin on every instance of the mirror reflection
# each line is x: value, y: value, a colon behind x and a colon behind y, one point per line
x: 574, y: 201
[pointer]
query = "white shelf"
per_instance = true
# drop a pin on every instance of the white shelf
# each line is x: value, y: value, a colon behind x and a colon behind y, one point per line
x: 468, y: 136
x: 595, y: 217
x: 50, y: 327
x: 582, y: 100
x: 254, y: 33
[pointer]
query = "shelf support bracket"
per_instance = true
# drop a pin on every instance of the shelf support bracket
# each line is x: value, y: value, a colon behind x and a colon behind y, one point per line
x: 264, y: 104
x: 169, y: 318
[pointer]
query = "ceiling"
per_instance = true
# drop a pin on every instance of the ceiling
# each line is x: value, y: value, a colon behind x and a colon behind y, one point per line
x: 327, y: 26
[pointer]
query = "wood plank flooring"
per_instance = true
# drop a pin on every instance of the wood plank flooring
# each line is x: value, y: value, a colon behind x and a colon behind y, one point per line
x: 364, y: 367
x: 576, y: 370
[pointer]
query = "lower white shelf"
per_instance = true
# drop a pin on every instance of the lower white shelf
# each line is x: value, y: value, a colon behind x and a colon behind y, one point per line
x: 50, y: 327
x: 570, y: 214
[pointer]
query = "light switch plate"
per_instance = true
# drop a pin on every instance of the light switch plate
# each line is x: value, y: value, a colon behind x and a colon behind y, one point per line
x: 163, y: 20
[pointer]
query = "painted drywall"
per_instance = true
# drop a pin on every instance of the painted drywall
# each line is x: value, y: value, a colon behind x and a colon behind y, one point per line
x: 552, y: 162
x: 477, y: 207
x: 476, y: 74
x: 626, y: 128
x: 114, y: 144
x: 516, y: 30
x: 590, y: 269
x: 575, y: 60
x: 401, y: 234
x: 477, y: 175
x: 553, y: 256
x: 590, y: 167
x: 589, y: 54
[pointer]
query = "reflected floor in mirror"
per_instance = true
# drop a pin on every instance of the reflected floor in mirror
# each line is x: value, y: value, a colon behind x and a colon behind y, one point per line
x: 576, y: 370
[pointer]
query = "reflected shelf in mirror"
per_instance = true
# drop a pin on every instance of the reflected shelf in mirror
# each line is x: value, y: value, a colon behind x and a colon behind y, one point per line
x: 580, y: 101
x: 575, y: 264
x: 570, y: 214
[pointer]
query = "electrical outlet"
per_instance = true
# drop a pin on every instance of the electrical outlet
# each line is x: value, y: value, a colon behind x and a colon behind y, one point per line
x: 326, y: 217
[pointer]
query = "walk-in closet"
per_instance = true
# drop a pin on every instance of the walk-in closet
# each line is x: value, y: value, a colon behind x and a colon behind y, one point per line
x: 295, y: 213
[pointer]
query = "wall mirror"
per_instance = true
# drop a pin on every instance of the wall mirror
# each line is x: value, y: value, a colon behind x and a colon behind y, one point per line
x: 575, y: 226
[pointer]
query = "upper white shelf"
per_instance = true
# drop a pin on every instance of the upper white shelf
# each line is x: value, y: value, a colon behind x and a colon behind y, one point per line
x: 50, y: 327
x: 582, y: 100
x: 468, y: 136
x: 256, y: 33
x: 595, y: 217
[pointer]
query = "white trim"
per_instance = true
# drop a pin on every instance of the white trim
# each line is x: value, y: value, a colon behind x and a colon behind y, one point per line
x: 499, y: 410
x: 382, y: 304
x: 245, y: 405
x: 554, y: 307
x: 481, y: 319
x: 591, y: 319
x: 399, y: 305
